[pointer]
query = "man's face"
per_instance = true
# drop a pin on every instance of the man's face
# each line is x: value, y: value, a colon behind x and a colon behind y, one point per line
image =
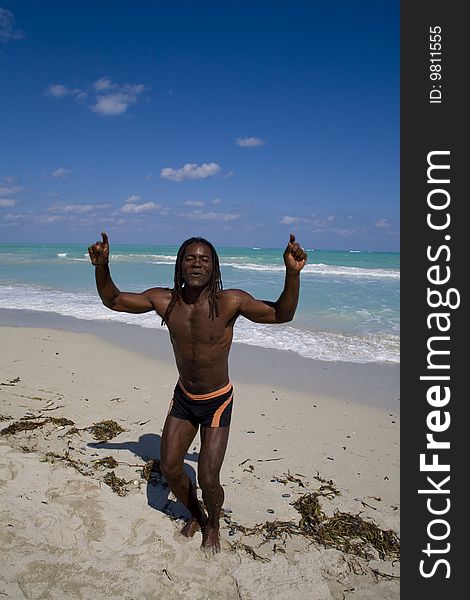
x: 197, y: 265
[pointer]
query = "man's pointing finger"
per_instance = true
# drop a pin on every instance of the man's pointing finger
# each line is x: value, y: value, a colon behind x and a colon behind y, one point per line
x: 104, y: 235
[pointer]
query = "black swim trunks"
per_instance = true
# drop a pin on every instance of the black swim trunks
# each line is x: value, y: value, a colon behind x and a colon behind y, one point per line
x: 208, y: 410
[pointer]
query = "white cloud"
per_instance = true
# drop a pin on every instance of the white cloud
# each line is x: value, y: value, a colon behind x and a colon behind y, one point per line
x: 6, y: 202
x: 114, y: 104
x: 382, y: 224
x: 108, y: 98
x: 49, y: 219
x: 16, y: 217
x: 7, y: 33
x: 198, y: 215
x: 61, y: 173
x: 114, y: 98
x: 33, y: 218
x: 249, y: 142
x: 190, y: 171
x: 132, y: 198
x: 289, y: 220
x: 216, y: 201
x: 103, y: 84
x: 57, y: 90
x: 7, y: 191
x: 140, y: 208
x: 193, y: 203
x: 77, y: 208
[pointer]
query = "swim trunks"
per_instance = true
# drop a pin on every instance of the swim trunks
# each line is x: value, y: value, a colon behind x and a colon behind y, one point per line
x: 208, y: 410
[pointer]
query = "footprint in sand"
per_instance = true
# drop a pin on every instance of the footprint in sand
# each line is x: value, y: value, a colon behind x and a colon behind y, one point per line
x: 84, y: 510
x: 8, y: 472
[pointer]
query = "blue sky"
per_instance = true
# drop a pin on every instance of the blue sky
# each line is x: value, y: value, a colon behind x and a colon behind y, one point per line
x: 238, y: 121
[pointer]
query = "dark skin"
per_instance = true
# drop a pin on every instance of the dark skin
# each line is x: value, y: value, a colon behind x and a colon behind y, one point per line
x: 201, y: 347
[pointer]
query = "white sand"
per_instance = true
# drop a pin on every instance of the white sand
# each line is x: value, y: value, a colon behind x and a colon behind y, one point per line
x: 68, y: 535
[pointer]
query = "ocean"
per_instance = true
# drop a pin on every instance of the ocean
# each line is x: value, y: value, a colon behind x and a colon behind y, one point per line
x: 348, y: 308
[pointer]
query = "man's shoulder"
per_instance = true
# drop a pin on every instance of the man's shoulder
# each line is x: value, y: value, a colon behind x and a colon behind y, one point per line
x: 232, y: 295
x: 158, y: 293
x: 159, y: 290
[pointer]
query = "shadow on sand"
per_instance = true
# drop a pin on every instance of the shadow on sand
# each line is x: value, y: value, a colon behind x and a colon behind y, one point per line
x: 147, y: 448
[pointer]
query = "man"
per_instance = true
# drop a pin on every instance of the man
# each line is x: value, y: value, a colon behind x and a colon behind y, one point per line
x: 200, y: 316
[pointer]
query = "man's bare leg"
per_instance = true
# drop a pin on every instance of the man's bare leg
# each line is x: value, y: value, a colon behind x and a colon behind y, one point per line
x: 176, y: 438
x: 213, y: 445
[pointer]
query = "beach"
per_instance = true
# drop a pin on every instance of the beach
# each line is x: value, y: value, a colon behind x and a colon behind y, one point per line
x: 73, y: 527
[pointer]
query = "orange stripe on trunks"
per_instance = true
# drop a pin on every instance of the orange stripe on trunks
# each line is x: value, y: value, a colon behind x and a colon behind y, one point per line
x: 208, y: 396
x: 219, y: 411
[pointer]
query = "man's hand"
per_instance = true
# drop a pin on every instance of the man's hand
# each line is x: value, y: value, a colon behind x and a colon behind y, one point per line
x: 99, y: 252
x: 295, y: 256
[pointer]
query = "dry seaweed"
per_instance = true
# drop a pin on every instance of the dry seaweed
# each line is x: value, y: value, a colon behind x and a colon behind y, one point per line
x: 270, y: 530
x: 18, y: 426
x: 117, y: 484
x: 6, y: 417
x: 151, y: 472
x: 78, y: 465
x: 108, y: 462
x: 328, y: 487
x: 105, y: 430
x: 27, y: 449
x: 72, y: 431
x: 10, y: 382
x: 384, y: 575
x: 288, y: 477
x: 344, y: 531
x: 55, y: 420
x: 62, y: 421
x: 249, y: 550
x: 310, y: 511
x: 26, y: 424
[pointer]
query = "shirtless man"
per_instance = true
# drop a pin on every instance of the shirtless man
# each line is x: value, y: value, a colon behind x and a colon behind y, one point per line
x: 200, y: 317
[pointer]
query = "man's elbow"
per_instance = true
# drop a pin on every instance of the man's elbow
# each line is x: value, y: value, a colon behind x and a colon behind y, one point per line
x: 111, y: 304
x: 284, y: 318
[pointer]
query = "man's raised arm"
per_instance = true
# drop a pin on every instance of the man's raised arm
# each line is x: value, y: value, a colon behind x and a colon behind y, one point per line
x: 111, y: 296
x: 283, y: 310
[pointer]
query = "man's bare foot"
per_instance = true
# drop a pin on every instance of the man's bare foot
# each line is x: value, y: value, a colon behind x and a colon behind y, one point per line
x: 192, y: 525
x: 210, y: 540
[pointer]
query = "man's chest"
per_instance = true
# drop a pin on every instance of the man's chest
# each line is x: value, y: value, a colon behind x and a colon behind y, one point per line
x: 193, y: 323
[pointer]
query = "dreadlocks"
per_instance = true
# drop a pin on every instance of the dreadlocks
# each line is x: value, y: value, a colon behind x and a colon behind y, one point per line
x: 215, y: 282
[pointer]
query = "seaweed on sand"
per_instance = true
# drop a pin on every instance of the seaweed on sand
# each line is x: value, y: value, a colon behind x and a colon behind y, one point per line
x: 105, y: 430
x: 327, y: 488
x: 59, y: 421
x: 108, y: 462
x: 117, y: 484
x: 72, y: 431
x: 289, y: 477
x: 11, y: 382
x: 344, y: 531
x: 77, y: 464
x: 234, y: 546
x: 27, y: 424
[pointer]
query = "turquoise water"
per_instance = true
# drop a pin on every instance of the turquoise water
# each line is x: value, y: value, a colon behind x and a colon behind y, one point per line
x: 348, y: 308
